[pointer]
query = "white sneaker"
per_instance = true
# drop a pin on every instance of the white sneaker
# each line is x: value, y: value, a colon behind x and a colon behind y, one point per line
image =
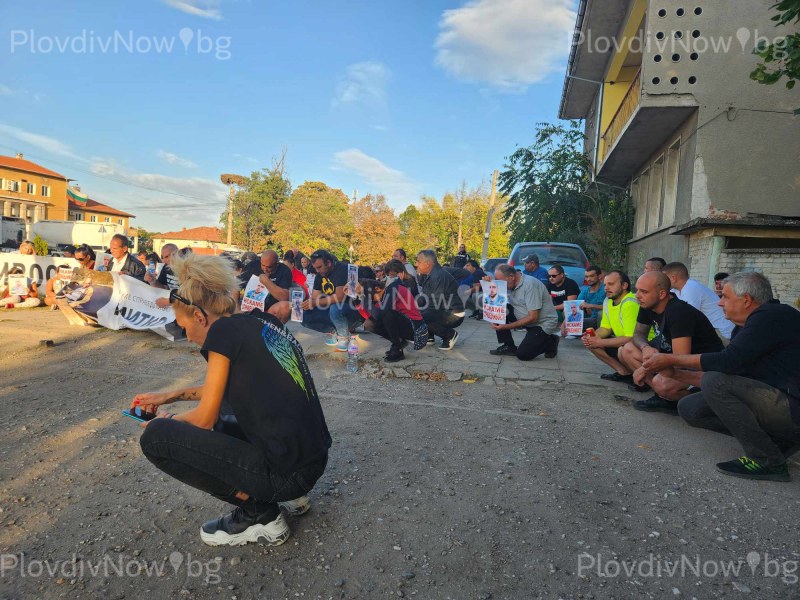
x: 239, y: 528
x: 449, y: 344
x: 298, y: 506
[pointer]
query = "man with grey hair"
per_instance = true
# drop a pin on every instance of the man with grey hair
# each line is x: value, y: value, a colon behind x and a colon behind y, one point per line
x: 166, y: 278
x: 529, y: 307
x: 751, y: 389
x: 438, y: 300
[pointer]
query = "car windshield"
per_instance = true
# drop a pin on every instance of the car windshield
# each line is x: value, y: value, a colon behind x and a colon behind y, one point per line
x: 550, y: 254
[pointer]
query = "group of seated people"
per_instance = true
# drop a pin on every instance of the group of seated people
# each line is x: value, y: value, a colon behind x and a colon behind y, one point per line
x: 727, y: 361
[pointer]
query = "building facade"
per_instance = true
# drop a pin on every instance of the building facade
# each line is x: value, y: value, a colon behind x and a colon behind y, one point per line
x: 30, y: 192
x: 710, y: 157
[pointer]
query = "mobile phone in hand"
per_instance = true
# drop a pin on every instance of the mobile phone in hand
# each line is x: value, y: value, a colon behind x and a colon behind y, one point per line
x: 139, y: 414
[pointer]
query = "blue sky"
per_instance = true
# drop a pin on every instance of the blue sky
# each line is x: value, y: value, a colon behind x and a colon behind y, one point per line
x: 402, y: 98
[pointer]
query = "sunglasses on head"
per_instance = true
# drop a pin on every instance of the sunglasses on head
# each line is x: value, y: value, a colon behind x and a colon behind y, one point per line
x: 173, y: 296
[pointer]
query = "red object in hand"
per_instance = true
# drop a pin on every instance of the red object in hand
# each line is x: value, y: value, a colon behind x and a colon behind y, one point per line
x: 590, y: 331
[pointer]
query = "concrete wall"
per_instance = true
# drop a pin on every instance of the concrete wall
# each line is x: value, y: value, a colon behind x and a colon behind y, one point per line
x: 745, y: 161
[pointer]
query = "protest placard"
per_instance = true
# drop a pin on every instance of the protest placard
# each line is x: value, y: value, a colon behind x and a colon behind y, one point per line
x: 495, y: 300
x: 17, y: 285
x: 573, y: 317
x: 310, y: 277
x: 297, y: 305
x: 255, y: 295
x: 352, y: 280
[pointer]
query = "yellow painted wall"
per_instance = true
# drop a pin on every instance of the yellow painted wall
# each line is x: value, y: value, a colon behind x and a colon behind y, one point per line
x: 56, y: 202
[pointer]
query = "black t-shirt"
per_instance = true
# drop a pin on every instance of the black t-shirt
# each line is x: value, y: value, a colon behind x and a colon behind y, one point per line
x: 679, y: 320
x: 560, y: 293
x: 270, y: 390
x: 327, y: 284
x: 168, y: 278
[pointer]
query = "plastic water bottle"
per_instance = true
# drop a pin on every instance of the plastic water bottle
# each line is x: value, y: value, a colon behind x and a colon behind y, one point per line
x: 352, y: 355
x: 151, y: 268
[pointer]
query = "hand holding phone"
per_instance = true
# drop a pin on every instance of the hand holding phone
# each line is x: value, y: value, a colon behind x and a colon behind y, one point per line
x: 139, y: 414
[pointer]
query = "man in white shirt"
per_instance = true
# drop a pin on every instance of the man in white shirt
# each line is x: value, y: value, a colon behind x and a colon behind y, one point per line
x: 702, y: 298
x: 123, y: 261
x: 400, y: 255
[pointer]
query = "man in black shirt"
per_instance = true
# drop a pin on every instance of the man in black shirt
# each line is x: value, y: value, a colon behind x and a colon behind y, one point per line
x: 751, y: 389
x: 680, y: 329
x: 460, y: 259
x: 166, y: 279
x: 277, y: 278
x: 561, y: 288
x: 329, y: 309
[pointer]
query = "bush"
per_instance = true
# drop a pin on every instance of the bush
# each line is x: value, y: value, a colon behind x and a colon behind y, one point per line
x: 40, y: 246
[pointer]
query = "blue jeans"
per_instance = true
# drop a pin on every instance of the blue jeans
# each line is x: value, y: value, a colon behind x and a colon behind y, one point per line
x: 343, y: 316
x: 318, y: 319
x: 222, y: 462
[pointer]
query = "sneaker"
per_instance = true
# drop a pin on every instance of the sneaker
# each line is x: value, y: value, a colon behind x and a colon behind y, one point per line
x: 341, y: 344
x: 449, y: 344
x: 431, y: 340
x: 553, y: 352
x: 241, y: 527
x: 616, y: 377
x: 330, y: 339
x: 656, y: 404
x: 504, y: 350
x: 476, y: 314
x: 298, y: 506
x: 394, y: 356
x: 747, y: 468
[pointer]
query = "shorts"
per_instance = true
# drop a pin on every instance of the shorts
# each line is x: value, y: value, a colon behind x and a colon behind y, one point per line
x: 612, y: 352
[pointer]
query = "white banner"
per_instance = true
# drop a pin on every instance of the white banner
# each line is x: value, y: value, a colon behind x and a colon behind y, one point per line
x: 38, y: 268
x: 133, y: 306
x: 495, y: 299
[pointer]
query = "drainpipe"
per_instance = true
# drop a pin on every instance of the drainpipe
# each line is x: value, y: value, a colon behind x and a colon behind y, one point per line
x: 717, y: 246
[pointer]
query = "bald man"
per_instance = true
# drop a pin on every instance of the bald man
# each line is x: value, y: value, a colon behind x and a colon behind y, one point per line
x: 275, y: 276
x: 679, y: 329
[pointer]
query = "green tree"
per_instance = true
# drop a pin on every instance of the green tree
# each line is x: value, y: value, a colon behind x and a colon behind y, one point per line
x: 434, y: 224
x: 782, y: 57
x: 256, y: 205
x: 376, y: 232
x: 315, y: 216
x: 551, y: 197
x: 40, y: 245
x: 145, y: 239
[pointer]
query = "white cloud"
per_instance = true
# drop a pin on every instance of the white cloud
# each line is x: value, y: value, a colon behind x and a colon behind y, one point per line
x: 174, y: 159
x: 6, y: 91
x: 364, y: 84
x: 208, y: 9
x: 379, y: 177
x: 508, y: 44
x: 43, y: 142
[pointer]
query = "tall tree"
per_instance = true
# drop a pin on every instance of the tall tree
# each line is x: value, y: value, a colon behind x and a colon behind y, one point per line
x: 435, y: 224
x: 551, y: 197
x: 315, y: 216
x: 256, y: 204
x: 376, y: 231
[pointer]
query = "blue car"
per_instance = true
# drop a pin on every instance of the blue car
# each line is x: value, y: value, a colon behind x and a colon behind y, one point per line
x: 570, y: 256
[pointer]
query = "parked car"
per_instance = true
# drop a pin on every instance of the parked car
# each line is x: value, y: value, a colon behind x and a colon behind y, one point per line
x: 491, y: 264
x: 570, y: 256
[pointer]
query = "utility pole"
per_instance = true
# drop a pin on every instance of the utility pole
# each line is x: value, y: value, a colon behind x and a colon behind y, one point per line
x: 231, y: 180
x: 488, y: 229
